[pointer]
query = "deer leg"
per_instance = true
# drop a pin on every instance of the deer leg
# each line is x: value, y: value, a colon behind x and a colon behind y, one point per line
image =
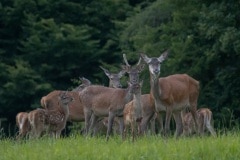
x: 121, y: 125
x: 98, y: 126
x: 193, y: 111
x: 211, y: 130
x: 110, y: 124
x: 58, y: 134
x: 133, y: 128
x: 179, y: 126
x: 124, y: 135
x: 159, y: 120
x: 87, y: 115
x: 92, y: 127
x: 144, y: 123
x: 167, y: 122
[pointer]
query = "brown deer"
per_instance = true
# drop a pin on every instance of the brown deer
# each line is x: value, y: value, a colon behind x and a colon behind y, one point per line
x: 57, y: 119
x: 23, y: 124
x: 204, y: 117
x: 149, y: 115
x: 173, y: 93
x: 109, y: 102
x: 135, y: 112
x: 38, y: 122
x: 114, y: 82
x: 99, y: 101
x: 76, y: 114
x: 114, y: 78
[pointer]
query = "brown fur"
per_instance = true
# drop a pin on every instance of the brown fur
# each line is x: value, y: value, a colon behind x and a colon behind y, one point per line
x: 148, y: 113
x: 75, y: 108
x: 100, y: 101
x: 57, y: 118
x: 204, y: 117
x: 37, y: 119
x: 23, y: 124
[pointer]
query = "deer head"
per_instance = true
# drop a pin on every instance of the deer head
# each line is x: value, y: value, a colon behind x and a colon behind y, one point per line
x: 114, y: 77
x: 65, y: 98
x: 154, y: 63
x: 133, y: 71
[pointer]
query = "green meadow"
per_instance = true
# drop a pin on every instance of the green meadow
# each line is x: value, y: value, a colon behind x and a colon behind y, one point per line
x: 225, y: 146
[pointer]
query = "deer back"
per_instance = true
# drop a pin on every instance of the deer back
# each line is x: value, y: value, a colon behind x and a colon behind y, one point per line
x: 75, y: 107
x: 105, y: 97
x: 178, y: 88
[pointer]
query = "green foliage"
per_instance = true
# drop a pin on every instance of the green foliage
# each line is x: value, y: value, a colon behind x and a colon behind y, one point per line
x: 22, y: 84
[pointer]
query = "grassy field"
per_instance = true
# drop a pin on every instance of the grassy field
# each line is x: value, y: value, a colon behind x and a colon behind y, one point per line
x: 225, y: 146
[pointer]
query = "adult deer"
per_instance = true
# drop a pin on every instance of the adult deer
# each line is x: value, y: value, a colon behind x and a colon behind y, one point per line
x: 173, y: 93
x: 114, y: 78
x: 57, y: 119
x: 114, y: 82
x: 23, y: 124
x: 204, y: 117
x: 76, y: 114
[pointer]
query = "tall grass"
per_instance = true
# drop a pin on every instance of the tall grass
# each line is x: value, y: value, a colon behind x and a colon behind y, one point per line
x: 225, y: 146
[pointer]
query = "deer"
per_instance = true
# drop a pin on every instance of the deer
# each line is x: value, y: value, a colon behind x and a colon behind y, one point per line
x: 114, y: 82
x: 148, y: 115
x: 38, y: 122
x: 135, y: 112
x: 76, y: 114
x: 52, y: 121
x: 100, y: 101
x: 23, y: 124
x: 172, y: 94
x: 57, y: 119
x: 114, y: 78
x: 204, y: 117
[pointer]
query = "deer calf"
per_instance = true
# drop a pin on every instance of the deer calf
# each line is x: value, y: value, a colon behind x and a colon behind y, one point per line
x: 204, y: 117
x: 23, y: 124
x: 148, y: 114
x: 38, y: 122
x: 57, y: 119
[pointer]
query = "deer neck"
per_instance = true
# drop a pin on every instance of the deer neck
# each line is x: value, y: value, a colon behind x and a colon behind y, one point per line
x: 155, y: 87
x: 129, y: 95
x: 138, y: 105
x: 156, y: 93
x: 64, y: 109
x: 110, y: 84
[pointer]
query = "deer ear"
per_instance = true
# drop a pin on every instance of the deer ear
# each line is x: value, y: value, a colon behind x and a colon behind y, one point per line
x: 163, y: 56
x: 121, y: 73
x: 105, y: 71
x: 140, y: 65
x: 145, y: 58
x: 85, y: 81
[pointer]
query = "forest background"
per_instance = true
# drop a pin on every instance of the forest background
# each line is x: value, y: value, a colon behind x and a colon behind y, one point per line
x: 47, y: 44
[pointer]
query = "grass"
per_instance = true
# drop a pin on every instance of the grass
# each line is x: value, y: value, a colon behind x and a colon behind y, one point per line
x: 223, y: 147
